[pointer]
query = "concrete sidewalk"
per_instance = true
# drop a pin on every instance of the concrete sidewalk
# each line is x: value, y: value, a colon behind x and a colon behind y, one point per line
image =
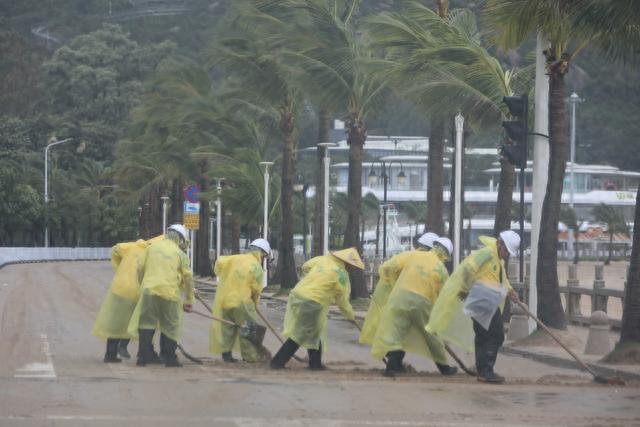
x: 539, y: 347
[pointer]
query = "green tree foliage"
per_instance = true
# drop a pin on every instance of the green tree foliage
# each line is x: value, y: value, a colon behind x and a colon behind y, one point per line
x: 93, y: 81
x: 614, y: 221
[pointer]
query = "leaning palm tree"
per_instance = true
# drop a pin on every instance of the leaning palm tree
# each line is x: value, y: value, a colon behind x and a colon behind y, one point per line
x: 613, y: 219
x: 264, y: 86
x: 329, y: 54
x: 560, y: 22
x: 430, y: 59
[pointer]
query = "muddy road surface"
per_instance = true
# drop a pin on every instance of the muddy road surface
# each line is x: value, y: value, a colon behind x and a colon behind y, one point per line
x: 51, y: 374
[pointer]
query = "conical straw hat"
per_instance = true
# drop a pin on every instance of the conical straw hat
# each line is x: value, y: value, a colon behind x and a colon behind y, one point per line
x: 350, y: 256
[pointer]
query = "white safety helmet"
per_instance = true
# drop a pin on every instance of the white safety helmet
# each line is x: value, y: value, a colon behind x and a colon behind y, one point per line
x: 181, y: 230
x: 427, y: 239
x: 263, y: 245
x: 511, y: 240
x: 445, y: 243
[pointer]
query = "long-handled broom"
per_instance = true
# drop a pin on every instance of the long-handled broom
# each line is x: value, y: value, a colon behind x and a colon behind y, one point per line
x: 596, y: 377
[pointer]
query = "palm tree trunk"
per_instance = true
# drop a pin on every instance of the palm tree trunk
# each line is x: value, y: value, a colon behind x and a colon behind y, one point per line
x: 505, y: 197
x: 357, y: 134
x: 318, y: 211
x: 378, y: 233
x: 435, y: 178
x: 286, y: 270
x: 576, y: 246
x: 235, y: 234
x: 630, y: 329
x: 550, y: 309
x: 608, y: 261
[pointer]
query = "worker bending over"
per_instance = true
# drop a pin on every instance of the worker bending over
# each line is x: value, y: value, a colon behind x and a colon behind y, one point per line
x: 388, y: 274
x: 117, y: 308
x: 406, y: 314
x: 237, y: 294
x: 325, y: 282
x: 163, y: 272
x: 478, y: 288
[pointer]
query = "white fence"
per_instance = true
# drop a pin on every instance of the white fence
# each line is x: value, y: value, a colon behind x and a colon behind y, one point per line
x: 18, y: 255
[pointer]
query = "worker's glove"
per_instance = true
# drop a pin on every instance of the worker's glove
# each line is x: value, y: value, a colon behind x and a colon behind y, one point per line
x: 513, y: 295
x: 187, y: 307
x: 463, y: 295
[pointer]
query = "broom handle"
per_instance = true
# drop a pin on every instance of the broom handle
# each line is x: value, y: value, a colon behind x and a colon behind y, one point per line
x: 199, y: 298
x: 208, y: 316
x: 266, y: 322
x: 547, y: 330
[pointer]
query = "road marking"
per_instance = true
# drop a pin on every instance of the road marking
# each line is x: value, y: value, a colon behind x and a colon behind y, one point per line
x: 255, y: 422
x: 39, y: 370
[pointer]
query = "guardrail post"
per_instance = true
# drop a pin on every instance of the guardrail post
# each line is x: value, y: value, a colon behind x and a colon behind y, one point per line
x: 598, y: 302
x: 598, y: 341
x: 573, y: 299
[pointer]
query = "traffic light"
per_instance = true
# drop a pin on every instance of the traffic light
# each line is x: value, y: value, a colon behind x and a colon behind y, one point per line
x: 516, y: 150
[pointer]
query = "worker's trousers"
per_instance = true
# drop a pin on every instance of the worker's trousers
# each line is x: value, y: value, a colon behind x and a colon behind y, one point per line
x: 488, y: 343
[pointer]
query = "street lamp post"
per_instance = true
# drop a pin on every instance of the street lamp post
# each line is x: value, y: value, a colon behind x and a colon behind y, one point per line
x: 303, y: 188
x: 165, y: 202
x: 46, y: 186
x: 326, y: 162
x: 372, y: 177
x: 457, y: 209
x: 574, y: 99
x: 219, y: 218
x: 265, y: 226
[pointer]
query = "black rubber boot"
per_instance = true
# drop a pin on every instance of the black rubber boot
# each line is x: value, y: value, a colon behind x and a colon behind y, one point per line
x: 168, y: 349
x: 122, y: 349
x: 285, y: 353
x: 394, y: 363
x: 446, y: 369
x: 315, y: 359
x: 111, y: 355
x: 227, y: 356
x: 146, y: 354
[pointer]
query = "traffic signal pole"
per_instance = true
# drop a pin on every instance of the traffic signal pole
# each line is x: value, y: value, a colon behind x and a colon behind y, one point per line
x: 523, y: 166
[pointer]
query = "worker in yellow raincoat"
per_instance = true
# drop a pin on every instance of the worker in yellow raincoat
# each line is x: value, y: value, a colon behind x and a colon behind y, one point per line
x: 237, y: 293
x: 163, y: 272
x: 325, y: 282
x: 388, y: 274
x: 406, y: 314
x: 477, y: 288
x: 115, y: 312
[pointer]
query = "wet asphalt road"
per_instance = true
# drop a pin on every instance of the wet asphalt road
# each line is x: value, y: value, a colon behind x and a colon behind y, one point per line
x: 51, y: 374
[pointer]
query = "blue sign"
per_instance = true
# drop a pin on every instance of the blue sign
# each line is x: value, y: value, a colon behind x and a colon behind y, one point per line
x: 192, y: 193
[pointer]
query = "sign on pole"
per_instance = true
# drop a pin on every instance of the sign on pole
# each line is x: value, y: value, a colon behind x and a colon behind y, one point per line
x: 191, y: 210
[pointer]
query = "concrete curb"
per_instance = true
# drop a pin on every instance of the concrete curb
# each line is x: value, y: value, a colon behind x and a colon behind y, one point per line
x: 560, y: 362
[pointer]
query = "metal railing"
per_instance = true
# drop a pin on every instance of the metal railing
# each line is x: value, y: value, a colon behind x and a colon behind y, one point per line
x: 15, y: 255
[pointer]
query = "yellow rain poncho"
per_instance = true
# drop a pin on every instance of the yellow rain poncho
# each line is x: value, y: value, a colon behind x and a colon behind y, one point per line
x: 447, y: 318
x: 164, y: 272
x: 325, y: 282
x: 404, y: 317
x: 388, y: 273
x: 115, y: 312
x: 237, y: 293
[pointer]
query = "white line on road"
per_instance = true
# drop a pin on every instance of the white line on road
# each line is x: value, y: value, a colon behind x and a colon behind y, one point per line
x: 39, y: 370
x: 257, y: 421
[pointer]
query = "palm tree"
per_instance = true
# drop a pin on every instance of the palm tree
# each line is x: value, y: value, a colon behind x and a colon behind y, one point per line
x: 630, y: 329
x: 265, y: 86
x: 328, y: 54
x: 560, y: 23
x: 431, y: 58
x: 614, y: 221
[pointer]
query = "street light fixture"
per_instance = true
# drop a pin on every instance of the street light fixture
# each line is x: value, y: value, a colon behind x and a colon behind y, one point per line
x: 326, y: 161
x: 51, y: 144
x: 265, y: 226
